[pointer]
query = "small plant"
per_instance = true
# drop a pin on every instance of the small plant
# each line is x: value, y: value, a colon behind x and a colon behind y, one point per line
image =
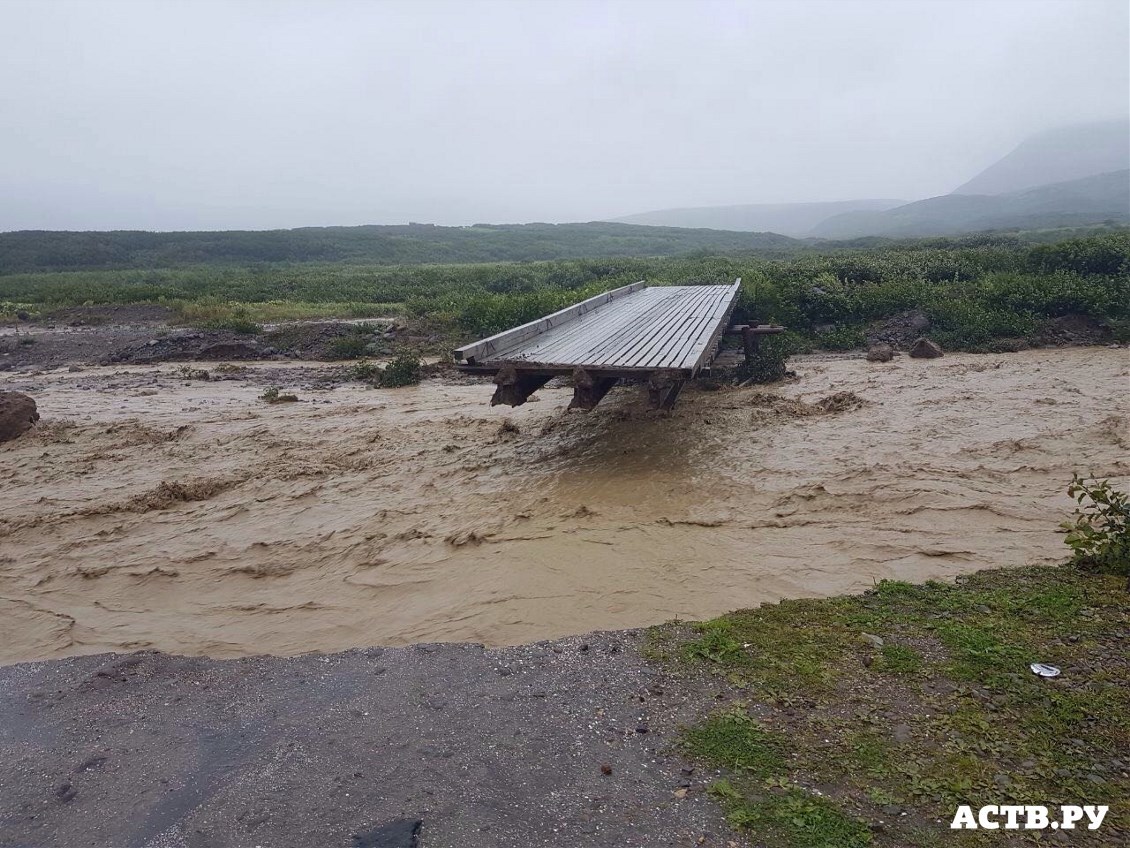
x: 365, y: 371
x: 402, y: 371
x: 187, y: 372
x: 271, y: 395
x: 900, y: 659
x: 770, y: 364
x: 1099, y: 535
x: 351, y: 346
x: 237, y: 322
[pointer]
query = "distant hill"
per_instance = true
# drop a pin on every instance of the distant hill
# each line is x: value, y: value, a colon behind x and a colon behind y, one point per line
x: 791, y: 219
x: 42, y: 250
x: 1056, y: 156
x: 1090, y: 200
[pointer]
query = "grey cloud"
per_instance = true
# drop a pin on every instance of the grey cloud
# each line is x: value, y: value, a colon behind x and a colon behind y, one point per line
x: 183, y: 115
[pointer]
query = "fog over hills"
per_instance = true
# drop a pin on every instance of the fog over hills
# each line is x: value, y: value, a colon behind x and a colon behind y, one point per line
x: 1090, y: 200
x: 1056, y: 156
x: 1068, y: 176
x: 790, y: 219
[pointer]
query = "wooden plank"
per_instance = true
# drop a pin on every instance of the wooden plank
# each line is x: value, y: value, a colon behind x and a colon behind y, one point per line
x: 549, y: 342
x: 712, y: 313
x: 506, y: 338
x: 721, y: 318
x: 552, y: 346
x: 582, y: 348
x: 636, y: 329
x: 666, y: 355
x: 653, y: 351
x: 608, y: 348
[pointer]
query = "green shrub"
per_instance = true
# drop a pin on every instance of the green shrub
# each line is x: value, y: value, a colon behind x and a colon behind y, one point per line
x: 771, y: 362
x: 365, y: 371
x: 842, y: 337
x: 402, y: 371
x: 1099, y: 534
x: 351, y: 346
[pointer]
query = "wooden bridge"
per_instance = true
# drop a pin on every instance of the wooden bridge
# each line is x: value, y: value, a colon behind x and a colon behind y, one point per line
x: 662, y: 335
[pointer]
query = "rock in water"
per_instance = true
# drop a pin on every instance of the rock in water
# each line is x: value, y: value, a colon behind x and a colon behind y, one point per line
x: 926, y: 349
x: 880, y: 353
x: 17, y: 415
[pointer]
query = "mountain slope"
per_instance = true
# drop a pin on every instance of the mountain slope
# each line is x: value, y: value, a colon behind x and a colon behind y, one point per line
x: 791, y: 219
x: 40, y: 250
x: 1090, y: 200
x: 1059, y: 155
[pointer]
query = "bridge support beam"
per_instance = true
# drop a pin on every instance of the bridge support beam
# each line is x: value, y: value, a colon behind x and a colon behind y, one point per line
x: 589, y: 390
x: 515, y: 388
x: 663, y: 389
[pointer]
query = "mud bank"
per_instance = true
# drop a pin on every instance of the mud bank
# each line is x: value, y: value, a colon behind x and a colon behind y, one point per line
x: 151, y: 511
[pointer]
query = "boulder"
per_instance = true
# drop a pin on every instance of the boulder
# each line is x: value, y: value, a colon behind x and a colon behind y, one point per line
x: 880, y: 353
x: 926, y: 349
x: 17, y: 415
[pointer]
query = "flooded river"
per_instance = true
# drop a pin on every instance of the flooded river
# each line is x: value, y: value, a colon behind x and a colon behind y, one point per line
x: 151, y: 511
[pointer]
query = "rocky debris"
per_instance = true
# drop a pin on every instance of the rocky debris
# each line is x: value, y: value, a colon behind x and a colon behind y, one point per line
x: 17, y: 415
x: 1073, y: 330
x: 189, y: 346
x: 899, y: 331
x: 880, y: 353
x: 313, y: 341
x: 926, y: 349
x: 872, y: 640
x: 840, y: 402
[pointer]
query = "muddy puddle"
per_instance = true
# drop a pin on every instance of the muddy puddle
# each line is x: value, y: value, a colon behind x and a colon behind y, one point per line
x: 151, y: 511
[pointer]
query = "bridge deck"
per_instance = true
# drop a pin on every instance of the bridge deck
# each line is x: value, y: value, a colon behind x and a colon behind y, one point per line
x: 631, y: 330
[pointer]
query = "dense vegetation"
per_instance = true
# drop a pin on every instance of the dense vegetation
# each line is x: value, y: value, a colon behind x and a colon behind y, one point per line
x: 36, y: 250
x: 974, y: 290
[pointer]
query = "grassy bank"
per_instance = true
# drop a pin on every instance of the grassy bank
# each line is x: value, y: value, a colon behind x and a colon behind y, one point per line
x: 974, y: 291
x: 867, y: 720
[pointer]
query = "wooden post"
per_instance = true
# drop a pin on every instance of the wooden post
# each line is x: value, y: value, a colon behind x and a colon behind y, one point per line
x: 663, y: 389
x: 588, y: 390
x: 750, y: 343
x: 514, y: 388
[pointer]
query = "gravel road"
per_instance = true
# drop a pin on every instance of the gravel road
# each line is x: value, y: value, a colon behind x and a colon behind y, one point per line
x: 506, y: 747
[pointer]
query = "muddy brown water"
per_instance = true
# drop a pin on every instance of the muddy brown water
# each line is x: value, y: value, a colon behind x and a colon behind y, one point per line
x: 147, y: 512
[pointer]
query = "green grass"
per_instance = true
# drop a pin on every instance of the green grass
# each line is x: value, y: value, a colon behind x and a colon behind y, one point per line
x: 791, y: 818
x: 900, y: 659
x: 944, y: 712
x: 738, y: 742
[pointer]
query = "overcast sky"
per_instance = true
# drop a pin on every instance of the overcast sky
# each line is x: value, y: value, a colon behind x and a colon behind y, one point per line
x: 249, y: 114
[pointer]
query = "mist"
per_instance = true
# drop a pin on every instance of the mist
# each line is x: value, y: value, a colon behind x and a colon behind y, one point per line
x: 257, y: 115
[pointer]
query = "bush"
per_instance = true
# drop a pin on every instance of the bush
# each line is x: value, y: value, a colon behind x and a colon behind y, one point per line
x: 1099, y: 535
x: 351, y: 346
x: 402, y: 371
x: 771, y: 361
x: 364, y: 371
